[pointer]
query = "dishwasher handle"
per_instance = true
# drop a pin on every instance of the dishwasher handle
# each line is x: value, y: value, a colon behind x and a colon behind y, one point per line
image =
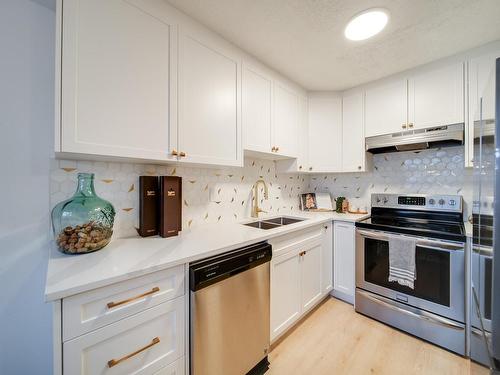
x: 215, y: 269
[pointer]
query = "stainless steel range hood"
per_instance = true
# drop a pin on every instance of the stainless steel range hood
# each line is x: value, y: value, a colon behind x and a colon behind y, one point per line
x: 420, y: 139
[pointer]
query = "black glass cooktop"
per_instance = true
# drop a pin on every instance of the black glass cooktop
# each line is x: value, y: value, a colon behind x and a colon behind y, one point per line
x: 415, y: 224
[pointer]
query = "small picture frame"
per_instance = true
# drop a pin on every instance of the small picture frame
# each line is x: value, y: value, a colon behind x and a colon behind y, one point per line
x: 308, y: 201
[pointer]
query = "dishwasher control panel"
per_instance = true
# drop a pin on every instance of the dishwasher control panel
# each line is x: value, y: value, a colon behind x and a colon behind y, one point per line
x: 217, y: 268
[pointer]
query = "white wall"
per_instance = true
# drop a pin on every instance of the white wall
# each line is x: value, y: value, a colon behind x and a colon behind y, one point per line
x: 26, y: 137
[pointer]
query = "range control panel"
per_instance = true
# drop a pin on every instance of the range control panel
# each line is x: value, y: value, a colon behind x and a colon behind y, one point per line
x: 419, y: 202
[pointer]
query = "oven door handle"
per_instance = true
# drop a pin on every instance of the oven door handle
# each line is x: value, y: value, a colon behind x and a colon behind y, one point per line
x: 430, y: 244
x: 420, y: 315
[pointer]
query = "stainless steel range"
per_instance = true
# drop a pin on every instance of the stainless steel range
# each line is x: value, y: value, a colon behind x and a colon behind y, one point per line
x: 434, y: 309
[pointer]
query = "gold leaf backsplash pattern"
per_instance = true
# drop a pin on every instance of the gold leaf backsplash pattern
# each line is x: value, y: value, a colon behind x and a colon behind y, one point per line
x: 435, y: 171
x: 231, y: 190
x: 438, y: 171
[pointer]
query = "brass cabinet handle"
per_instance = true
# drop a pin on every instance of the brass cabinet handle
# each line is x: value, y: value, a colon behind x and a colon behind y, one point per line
x: 114, y: 304
x: 300, y: 166
x: 326, y: 226
x: 174, y: 152
x: 302, y: 253
x: 182, y: 154
x: 114, y: 362
x: 403, y: 126
x: 273, y: 149
x: 359, y: 167
x: 277, y: 149
x: 310, y: 168
x: 410, y: 125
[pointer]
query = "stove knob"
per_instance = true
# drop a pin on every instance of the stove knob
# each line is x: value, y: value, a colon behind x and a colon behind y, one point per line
x: 452, y: 202
x: 386, y: 200
x: 432, y: 201
x: 378, y: 199
x: 441, y: 202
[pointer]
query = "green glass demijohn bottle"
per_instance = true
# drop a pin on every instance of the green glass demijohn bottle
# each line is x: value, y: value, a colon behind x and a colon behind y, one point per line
x: 83, y: 223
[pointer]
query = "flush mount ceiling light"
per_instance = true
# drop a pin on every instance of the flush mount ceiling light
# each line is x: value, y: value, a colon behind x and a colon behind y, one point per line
x: 366, y: 24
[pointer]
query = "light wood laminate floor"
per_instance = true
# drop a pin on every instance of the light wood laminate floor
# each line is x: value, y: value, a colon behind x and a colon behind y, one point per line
x: 336, y: 340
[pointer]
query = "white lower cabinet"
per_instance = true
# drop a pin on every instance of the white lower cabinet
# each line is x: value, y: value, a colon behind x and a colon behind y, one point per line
x: 176, y: 368
x: 140, y: 344
x: 344, y: 241
x: 285, y: 292
x: 298, y: 274
x: 327, y: 259
x: 310, y: 277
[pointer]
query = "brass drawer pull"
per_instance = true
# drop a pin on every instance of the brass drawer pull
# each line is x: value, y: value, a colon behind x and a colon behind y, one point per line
x: 182, y: 154
x: 114, y: 362
x: 273, y: 149
x: 114, y: 304
x: 302, y: 253
x: 174, y: 152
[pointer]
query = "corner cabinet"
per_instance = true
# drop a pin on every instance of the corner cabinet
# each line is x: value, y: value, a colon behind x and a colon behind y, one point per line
x: 208, y: 101
x: 325, y: 133
x: 257, y: 109
x: 353, y: 133
x: 116, y: 85
x: 300, y: 275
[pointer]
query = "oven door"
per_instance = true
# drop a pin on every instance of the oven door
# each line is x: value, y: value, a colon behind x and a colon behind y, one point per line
x: 440, y: 273
x: 482, y: 278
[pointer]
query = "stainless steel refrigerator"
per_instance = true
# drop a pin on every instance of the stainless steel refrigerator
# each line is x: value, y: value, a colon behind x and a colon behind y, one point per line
x: 484, y: 89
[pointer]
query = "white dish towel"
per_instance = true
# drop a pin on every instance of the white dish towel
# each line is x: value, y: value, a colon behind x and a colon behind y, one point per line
x: 402, y: 260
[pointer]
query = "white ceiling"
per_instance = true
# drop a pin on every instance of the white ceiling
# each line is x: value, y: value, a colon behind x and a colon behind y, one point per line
x: 303, y: 39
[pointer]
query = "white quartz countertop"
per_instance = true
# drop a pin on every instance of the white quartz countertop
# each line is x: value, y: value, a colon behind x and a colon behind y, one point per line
x: 126, y: 258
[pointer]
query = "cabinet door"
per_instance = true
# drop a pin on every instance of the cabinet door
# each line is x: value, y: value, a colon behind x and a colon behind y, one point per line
x: 386, y: 108
x: 209, y: 111
x: 325, y: 134
x: 256, y: 110
x: 140, y: 344
x: 353, y: 133
x: 311, y: 281
x: 117, y: 63
x: 343, y: 261
x: 286, y: 121
x: 285, y: 292
x: 481, y: 87
x: 327, y: 259
x: 436, y: 97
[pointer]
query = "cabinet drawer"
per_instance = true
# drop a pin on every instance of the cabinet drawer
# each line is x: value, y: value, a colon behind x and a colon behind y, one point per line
x: 294, y: 241
x: 88, y: 311
x: 140, y: 344
x: 176, y: 368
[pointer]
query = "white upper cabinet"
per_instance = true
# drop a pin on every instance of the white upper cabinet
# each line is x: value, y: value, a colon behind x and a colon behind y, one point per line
x: 353, y: 133
x: 386, y: 108
x: 482, y: 86
x: 209, y: 128
x: 286, y: 120
x: 256, y: 110
x: 116, y: 86
x: 436, y: 97
x: 325, y: 133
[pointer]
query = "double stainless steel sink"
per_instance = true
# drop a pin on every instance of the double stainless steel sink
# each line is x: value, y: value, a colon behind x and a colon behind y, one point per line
x: 274, y: 222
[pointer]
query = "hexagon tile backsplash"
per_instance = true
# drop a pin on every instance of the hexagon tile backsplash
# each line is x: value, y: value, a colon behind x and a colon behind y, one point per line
x: 209, y: 195
x: 434, y: 171
x: 225, y: 194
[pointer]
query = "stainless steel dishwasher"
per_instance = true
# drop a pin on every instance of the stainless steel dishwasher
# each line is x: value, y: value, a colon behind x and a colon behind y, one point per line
x: 229, y: 312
